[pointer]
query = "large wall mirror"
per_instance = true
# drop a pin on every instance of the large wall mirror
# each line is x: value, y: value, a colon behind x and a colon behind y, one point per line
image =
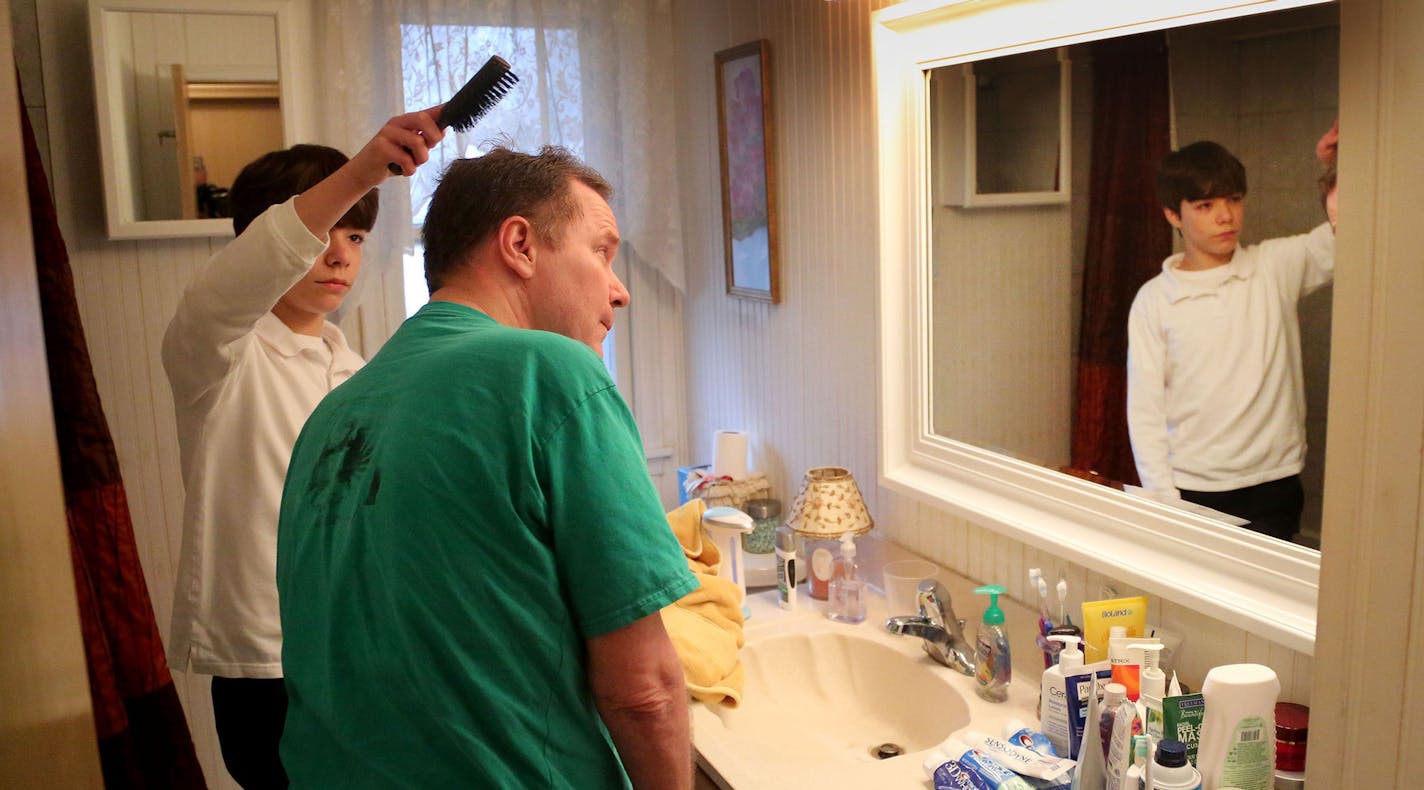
x: 982, y: 308
x: 187, y: 92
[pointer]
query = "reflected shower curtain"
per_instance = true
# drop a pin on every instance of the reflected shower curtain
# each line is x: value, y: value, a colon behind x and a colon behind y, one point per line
x: 1126, y: 242
x: 142, y: 733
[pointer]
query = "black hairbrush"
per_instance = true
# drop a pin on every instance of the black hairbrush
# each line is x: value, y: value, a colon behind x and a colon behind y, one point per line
x: 470, y: 103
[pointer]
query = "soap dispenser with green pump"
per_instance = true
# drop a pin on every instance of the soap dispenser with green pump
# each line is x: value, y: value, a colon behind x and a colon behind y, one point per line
x: 992, y: 666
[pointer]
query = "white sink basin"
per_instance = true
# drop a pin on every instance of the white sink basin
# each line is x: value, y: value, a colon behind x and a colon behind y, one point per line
x: 819, y: 696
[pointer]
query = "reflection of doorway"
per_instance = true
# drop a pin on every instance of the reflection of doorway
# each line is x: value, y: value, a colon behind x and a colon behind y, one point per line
x: 221, y: 126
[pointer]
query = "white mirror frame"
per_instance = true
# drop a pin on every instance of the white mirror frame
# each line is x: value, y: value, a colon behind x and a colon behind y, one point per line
x: 1260, y: 584
x: 113, y: 148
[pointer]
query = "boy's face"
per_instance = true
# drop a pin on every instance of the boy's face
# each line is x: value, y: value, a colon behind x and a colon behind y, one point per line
x: 1209, y: 228
x: 323, y: 288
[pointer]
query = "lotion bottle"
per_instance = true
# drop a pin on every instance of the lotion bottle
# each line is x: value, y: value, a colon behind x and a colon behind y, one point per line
x: 1238, y: 735
x: 786, y: 567
x: 1054, y: 713
x: 992, y: 666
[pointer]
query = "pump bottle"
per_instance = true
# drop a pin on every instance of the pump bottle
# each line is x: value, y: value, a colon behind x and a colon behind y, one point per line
x: 1053, y: 702
x: 846, y: 590
x: 992, y: 666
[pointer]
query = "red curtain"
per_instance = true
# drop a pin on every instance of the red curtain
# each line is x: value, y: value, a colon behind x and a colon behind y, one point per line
x: 143, y: 736
x: 1126, y: 241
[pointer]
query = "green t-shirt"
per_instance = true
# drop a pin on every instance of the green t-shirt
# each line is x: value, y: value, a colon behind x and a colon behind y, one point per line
x: 458, y: 519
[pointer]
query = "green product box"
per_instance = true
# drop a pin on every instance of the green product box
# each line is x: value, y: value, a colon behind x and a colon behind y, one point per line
x: 1181, y: 720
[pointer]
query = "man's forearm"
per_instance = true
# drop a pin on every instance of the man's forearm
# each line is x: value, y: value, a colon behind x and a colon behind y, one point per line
x: 654, y: 740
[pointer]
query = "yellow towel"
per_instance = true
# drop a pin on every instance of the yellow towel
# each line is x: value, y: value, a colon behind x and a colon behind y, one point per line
x: 706, y: 624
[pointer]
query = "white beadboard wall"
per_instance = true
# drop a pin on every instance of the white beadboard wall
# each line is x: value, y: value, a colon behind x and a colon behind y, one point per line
x: 800, y: 376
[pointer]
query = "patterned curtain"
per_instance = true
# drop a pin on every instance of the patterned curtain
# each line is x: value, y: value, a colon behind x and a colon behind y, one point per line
x: 1127, y: 240
x: 596, y: 76
x: 143, y: 736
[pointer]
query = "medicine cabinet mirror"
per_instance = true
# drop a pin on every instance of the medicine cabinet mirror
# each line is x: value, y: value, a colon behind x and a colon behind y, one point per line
x: 926, y: 58
x: 1001, y: 129
x: 187, y: 93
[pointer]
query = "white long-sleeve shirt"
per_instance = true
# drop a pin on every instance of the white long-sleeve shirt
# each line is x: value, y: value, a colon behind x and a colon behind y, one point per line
x: 1215, y: 393
x: 243, y: 385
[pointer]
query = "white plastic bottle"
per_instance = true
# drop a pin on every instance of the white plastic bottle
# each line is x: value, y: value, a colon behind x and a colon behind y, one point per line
x: 1238, y: 735
x: 1170, y: 769
x: 786, y: 567
x: 1054, y: 714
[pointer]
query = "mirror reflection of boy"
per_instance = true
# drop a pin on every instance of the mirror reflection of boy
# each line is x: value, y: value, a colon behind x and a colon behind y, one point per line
x: 1215, y: 392
x: 249, y: 353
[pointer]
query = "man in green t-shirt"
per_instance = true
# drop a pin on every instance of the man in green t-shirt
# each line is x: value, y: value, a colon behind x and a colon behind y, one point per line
x: 471, y: 558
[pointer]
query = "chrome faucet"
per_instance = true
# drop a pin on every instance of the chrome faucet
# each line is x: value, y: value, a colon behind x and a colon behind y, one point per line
x: 942, y: 632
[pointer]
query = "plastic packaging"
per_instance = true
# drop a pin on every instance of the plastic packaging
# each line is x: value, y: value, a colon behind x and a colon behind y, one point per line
x: 992, y: 665
x: 1100, y: 616
x: 1054, y: 710
x: 1238, y: 736
x: 1020, y: 734
x: 786, y: 567
x: 1170, y: 769
x: 847, y: 590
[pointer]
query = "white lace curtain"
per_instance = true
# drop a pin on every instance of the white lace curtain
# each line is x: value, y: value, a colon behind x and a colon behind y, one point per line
x: 595, y: 76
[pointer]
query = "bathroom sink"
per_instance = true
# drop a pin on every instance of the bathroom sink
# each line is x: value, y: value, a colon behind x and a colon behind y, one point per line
x: 823, y: 702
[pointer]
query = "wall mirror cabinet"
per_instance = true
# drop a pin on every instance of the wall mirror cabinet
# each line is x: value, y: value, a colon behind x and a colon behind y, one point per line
x: 187, y: 92
x: 992, y: 474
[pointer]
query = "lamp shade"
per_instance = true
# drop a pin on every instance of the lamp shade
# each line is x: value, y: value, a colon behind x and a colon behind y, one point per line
x: 828, y: 505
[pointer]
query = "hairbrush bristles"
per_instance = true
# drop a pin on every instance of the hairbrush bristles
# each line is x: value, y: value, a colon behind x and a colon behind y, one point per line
x: 483, y: 91
x: 470, y: 103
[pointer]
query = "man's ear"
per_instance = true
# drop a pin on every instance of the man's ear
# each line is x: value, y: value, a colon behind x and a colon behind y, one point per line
x: 1173, y: 218
x: 515, y: 239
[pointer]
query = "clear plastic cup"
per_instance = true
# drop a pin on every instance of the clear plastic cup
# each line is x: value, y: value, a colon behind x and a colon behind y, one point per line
x: 901, y: 584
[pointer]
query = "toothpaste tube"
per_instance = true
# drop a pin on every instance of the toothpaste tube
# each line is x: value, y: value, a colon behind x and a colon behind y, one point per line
x: 1018, y: 759
x: 1020, y: 734
x: 976, y: 761
x: 1078, y: 688
x: 947, y: 774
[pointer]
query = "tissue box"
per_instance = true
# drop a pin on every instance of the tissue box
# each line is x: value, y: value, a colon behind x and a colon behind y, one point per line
x: 682, y: 473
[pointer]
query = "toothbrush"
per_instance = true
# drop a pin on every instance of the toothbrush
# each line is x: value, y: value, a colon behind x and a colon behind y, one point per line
x: 1045, y: 617
x: 1063, y: 618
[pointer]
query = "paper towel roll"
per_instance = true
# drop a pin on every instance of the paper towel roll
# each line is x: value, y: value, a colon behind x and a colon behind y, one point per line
x: 729, y: 456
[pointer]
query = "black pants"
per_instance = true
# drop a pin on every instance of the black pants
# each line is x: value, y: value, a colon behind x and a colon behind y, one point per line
x: 250, y: 713
x: 1272, y: 508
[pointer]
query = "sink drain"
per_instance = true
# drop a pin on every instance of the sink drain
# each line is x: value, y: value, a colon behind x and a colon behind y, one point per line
x: 886, y: 750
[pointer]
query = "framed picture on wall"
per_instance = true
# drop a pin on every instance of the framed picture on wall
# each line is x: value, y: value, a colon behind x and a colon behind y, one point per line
x: 744, y: 136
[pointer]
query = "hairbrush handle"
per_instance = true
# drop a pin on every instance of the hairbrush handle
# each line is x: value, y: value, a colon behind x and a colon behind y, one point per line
x: 480, y: 93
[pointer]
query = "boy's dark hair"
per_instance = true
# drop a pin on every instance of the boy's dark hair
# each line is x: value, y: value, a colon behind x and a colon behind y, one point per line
x: 273, y: 177
x: 476, y: 195
x: 1199, y: 171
